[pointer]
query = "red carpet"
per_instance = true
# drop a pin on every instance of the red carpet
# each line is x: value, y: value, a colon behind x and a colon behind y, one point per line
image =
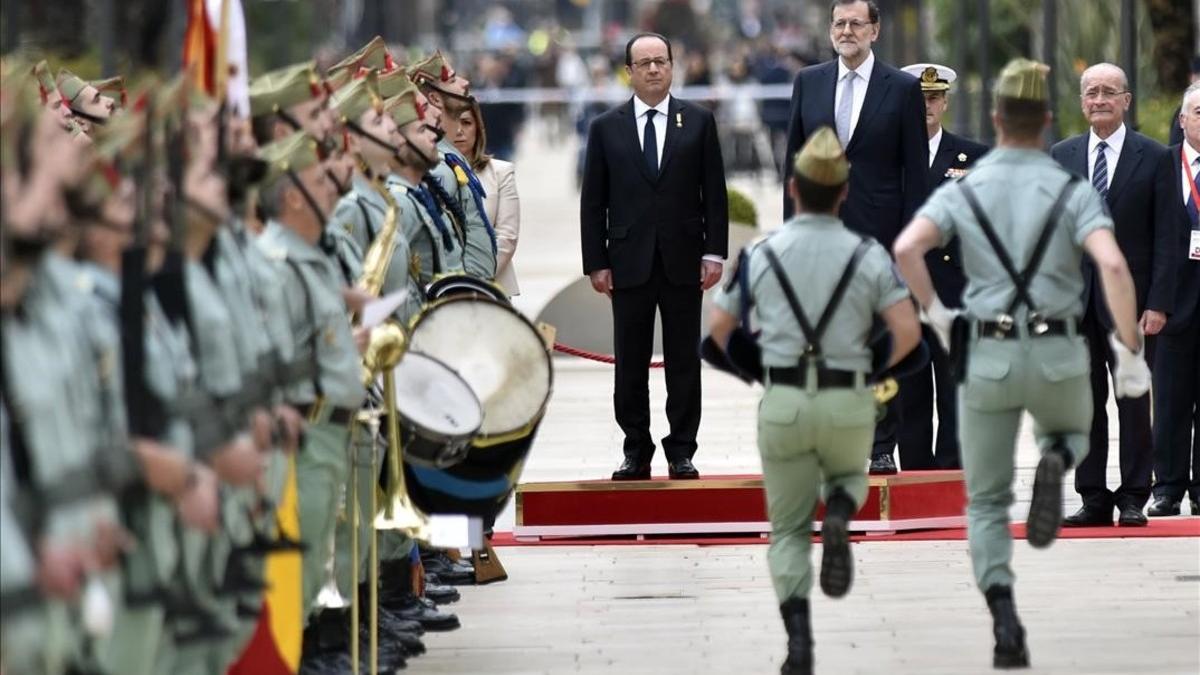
x: 1168, y: 527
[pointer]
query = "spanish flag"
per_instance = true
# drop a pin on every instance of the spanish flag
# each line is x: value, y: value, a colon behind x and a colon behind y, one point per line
x: 214, y: 50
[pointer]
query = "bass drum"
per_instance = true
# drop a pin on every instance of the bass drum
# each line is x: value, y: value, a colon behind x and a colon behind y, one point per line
x: 439, y: 414
x: 502, y: 357
x: 454, y: 285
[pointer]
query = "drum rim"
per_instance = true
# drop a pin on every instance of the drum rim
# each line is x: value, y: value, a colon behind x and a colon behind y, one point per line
x: 485, y: 440
x: 440, y: 436
x: 497, y: 292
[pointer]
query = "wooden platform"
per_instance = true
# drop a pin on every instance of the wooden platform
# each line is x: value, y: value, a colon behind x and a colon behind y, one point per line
x: 912, y: 500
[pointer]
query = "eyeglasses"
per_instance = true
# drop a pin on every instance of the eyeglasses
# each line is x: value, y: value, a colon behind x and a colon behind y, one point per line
x: 645, y: 64
x: 1102, y: 92
x: 853, y: 24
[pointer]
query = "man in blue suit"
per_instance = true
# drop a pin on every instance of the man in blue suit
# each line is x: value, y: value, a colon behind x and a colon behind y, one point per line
x: 1128, y: 171
x: 879, y: 114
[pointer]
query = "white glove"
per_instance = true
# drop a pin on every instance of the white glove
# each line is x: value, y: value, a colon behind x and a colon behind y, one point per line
x: 1131, y: 375
x: 940, y: 319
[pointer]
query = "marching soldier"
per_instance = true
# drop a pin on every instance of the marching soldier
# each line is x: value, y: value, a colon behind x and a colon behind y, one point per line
x: 1024, y: 224
x: 88, y: 105
x: 448, y: 91
x: 950, y: 157
x: 817, y: 415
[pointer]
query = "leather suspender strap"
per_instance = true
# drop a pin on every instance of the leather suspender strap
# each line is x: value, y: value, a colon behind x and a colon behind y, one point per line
x: 813, y: 335
x: 1022, y: 279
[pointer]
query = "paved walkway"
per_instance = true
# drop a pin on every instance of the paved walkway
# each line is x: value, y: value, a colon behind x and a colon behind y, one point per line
x: 1104, y: 606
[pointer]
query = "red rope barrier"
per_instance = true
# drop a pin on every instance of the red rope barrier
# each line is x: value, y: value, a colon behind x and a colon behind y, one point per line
x: 592, y: 356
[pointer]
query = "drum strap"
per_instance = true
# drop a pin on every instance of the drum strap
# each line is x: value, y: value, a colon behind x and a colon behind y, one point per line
x: 812, y: 334
x: 1021, y: 279
x: 314, y: 340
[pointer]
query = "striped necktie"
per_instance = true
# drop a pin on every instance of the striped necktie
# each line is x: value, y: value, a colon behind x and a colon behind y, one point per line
x: 1100, y: 170
x: 1193, y: 211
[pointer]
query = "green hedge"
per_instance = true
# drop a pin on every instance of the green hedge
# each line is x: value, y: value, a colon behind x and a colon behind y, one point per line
x: 741, y: 209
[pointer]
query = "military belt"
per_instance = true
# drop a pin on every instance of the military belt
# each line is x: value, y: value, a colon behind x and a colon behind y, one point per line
x: 319, y: 412
x: 295, y: 373
x: 827, y: 378
x: 1007, y: 330
x: 19, y: 600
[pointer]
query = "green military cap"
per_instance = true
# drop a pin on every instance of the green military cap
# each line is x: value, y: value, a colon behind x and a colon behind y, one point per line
x: 433, y: 69
x: 69, y: 85
x: 1023, y: 79
x: 394, y: 83
x: 283, y: 88
x: 45, y: 80
x: 352, y: 100
x: 113, y: 87
x: 296, y: 152
x: 822, y: 159
x: 373, y: 56
x: 404, y: 108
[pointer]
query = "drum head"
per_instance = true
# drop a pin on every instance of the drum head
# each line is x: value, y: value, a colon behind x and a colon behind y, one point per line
x: 497, y: 351
x: 454, y: 285
x: 433, y: 400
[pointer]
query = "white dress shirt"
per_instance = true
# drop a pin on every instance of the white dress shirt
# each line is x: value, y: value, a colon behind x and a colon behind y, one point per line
x: 1111, y: 154
x: 660, y: 135
x: 934, y: 144
x: 860, y: 88
x: 1193, y: 156
x: 660, y: 122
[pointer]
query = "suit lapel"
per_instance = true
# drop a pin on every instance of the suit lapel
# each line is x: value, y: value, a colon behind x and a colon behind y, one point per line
x: 827, y: 95
x: 1077, y: 160
x: 942, y: 160
x: 674, y: 112
x: 1127, y: 163
x: 876, y: 91
x: 630, y: 132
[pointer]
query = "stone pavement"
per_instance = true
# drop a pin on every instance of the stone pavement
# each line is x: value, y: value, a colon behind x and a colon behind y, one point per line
x: 1102, y: 606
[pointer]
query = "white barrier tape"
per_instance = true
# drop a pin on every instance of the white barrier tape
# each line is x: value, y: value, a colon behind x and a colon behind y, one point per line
x: 726, y: 92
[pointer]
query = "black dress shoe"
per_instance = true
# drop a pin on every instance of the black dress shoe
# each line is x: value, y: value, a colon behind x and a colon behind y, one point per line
x: 1045, y: 506
x: 631, y: 469
x: 1131, y: 516
x: 883, y: 465
x: 1194, y: 505
x: 1163, y: 506
x: 1089, y: 516
x: 448, y: 571
x: 682, y: 469
x: 441, y: 594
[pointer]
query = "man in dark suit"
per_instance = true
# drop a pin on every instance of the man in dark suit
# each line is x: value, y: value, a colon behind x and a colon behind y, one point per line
x: 1176, y: 135
x: 1177, y: 367
x: 654, y: 227
x: 1128, y: 171
x: 950, y: 157
x: 879, y: 115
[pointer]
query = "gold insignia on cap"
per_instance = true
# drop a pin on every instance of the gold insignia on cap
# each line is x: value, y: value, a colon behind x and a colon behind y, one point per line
x: 929, y: 75
x: 1023, y: 79
x: 822, y: 159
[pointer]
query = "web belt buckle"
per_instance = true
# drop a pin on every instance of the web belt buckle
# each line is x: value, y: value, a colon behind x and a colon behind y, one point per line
x: 1004, y: 325
x: 1038, y: 325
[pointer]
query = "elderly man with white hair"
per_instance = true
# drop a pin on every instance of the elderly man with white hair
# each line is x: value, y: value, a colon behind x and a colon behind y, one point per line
x: 1130, y: 173
x: 1177, y: 370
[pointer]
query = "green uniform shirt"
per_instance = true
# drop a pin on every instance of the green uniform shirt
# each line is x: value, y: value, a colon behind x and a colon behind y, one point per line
x: 17, y: 566
x: 814, y: 250
x: 256, y: 355
x: 318, y: 318
x: 1017, y: 188
x: 479, y: 249
x: 428, y: 254
x: 359, y: 212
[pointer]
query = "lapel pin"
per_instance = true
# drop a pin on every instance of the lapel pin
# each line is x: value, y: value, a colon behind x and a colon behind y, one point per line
x: 678, y: 120
x: 962, y: 156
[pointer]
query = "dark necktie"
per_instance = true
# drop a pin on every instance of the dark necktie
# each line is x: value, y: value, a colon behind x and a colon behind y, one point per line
x: 1193, y: 212
x: 1100, y: 170
x: 650, y: 142
x: 435, y: 214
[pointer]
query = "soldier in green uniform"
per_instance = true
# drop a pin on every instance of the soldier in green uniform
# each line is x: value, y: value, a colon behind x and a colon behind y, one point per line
x: 1023, y: 223
x: 448, y: 91
x: 296, y: 195
x: 817, y: 415
x: 88, y: 105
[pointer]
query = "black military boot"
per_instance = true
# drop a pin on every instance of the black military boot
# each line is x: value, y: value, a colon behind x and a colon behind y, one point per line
x: 837, y: 564
x: 1045, y: 506
x: 800, y: 643
x: 1010, y: 649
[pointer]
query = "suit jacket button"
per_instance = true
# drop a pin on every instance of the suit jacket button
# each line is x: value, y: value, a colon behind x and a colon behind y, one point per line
x: 946, y: 258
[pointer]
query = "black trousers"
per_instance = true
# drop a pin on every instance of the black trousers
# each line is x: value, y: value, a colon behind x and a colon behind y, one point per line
x: 1133, y: 419
x: 633, y: 340
x: 915, y: 436
x: 1177, y: 413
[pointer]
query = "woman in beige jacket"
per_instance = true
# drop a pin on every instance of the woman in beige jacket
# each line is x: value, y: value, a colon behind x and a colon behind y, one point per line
x: 502, y: 204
